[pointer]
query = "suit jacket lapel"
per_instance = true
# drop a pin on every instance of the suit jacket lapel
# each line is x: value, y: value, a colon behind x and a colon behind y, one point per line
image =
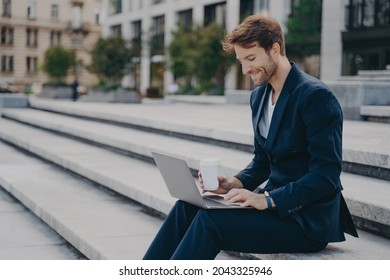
x: 281, y: 105
x: 260, y: 112
x: 277, y: 117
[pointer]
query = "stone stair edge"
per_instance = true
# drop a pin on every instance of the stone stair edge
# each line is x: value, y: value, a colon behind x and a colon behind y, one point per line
x: 375, y: 110
x: 159, y: 126
x: 366, y: 158
x: 132, y: 146
x: 157, y: 203
x: 135, y: 148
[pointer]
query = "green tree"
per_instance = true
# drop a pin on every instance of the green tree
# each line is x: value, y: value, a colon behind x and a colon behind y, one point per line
x: 304, y: 28
x: 110, y: 57
x: 212, y: 61
x: 197, y: 53
x: 57, y: 62
x: 182, y: 54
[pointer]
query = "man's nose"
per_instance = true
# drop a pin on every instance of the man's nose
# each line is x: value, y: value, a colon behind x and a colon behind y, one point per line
x: 245, y: 68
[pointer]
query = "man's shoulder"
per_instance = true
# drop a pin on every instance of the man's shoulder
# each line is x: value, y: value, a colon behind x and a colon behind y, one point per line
x: 307, y: 85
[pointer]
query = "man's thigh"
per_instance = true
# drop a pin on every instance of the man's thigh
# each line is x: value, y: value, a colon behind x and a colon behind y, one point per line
x: 254, y: 231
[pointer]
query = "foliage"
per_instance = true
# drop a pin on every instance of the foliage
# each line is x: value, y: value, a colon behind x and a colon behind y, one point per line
x: 212, y: 61
x: 56, y: 84
x: 57, y: 61
x: 110, y: 57
x: 304, y: 28
x: 182, y: 54
x: 106, y: 86
x: 197, y: 54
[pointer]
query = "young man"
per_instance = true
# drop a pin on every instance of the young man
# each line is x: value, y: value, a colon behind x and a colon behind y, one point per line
x: 297, y: 124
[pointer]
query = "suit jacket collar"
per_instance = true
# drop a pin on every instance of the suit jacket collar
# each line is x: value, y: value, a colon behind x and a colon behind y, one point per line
x: 281, y: 105
x: 260, y: 112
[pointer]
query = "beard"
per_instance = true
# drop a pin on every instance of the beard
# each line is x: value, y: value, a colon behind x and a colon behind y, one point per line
x: 264, y: 73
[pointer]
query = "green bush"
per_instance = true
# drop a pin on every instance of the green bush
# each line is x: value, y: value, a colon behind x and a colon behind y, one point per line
x: 57, y: 62
x: 106, y: 86
x: 110, y: 57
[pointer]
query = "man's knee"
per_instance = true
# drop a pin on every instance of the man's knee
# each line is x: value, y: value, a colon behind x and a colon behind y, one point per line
x: 182, y: 205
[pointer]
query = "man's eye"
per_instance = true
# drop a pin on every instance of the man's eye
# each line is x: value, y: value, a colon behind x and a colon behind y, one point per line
x: 251, y: 59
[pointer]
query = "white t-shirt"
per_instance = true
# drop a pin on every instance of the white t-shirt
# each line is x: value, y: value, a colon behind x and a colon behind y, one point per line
x: 265, y: 121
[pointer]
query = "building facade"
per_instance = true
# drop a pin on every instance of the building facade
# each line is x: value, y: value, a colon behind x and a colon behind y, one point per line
x: 29, y: 27
x: 139, y: 20
x: 355, y: 36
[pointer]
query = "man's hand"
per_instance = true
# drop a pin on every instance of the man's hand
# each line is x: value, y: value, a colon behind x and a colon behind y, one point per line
x: 224, y: 184
x: 247, y: 198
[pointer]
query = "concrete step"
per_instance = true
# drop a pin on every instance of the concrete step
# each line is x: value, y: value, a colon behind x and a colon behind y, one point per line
x: 24, y: 236
x: 13, y: 100
x: 374, y: 73
x: 99, y: 223
x: 376, y: 113
x: 371, y: 211
x: 142, y: 182
x: 366, y: 147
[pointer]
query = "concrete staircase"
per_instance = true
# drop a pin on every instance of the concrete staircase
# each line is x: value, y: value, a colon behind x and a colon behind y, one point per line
x: 375, y: 113
x: 86, y: 170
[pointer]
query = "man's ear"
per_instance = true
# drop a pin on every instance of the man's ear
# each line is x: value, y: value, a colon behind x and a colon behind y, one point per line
x: 275, y: 49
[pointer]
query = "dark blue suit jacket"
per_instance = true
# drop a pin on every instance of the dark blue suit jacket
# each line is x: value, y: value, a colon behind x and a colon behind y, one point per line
x: 302, y: 157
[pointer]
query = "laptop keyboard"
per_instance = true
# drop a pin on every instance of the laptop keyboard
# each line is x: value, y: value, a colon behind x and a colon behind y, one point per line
x: 212, y: 202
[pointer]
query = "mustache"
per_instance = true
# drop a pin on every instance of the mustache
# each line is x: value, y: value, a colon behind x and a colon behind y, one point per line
x: 256, y: 70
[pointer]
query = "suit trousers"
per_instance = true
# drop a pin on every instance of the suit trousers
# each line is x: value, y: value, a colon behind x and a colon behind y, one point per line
x: 193, y: 233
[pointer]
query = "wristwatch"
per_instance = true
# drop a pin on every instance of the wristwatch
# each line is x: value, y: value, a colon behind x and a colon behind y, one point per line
x: 268, y: 199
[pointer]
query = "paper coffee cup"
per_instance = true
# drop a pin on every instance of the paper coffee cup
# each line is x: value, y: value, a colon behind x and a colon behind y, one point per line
x: 210, y: 172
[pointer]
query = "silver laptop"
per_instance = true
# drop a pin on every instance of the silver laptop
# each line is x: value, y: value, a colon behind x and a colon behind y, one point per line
x: 181, y: 184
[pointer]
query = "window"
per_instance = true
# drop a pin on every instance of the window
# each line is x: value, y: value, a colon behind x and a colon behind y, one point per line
x: 158, y: 32
x: 383, y: 12
x: 7, y: 64
x: 250, y: 7
x: 6, y: 8
x: 364, y: 60
x: 54, y: 12
x: 31, y: 37
x: 97, y: 16
x: 136, y: 40
x: 116, y: 30
x: 77, y: 40
x: 7, y: 36
x: 367, y: 13
x: 154, y: 2
x: 215, y: 13
x: 76, y: 17
x: 3, y: 63
x: 292, y: 5
x: 32, y: 64
x: 185, y: 18
x: 55, y: 38
x: 116, y: 6
x: 31, y: 10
